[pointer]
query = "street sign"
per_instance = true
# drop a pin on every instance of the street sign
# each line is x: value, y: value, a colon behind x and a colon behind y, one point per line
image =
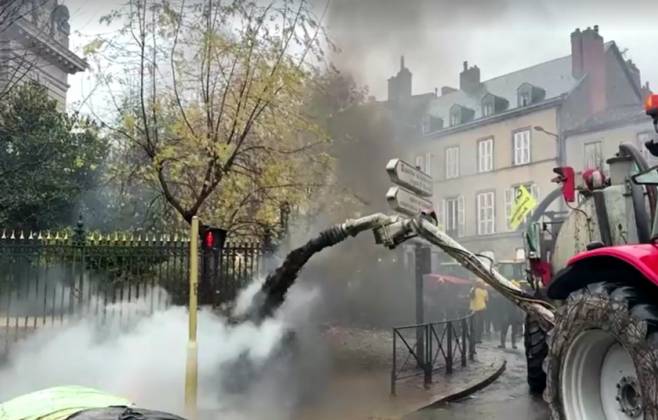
x: 405, y: 201
x: 406, y: 175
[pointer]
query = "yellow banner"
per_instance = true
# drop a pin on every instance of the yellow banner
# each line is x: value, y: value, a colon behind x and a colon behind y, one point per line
x: 524, y: 203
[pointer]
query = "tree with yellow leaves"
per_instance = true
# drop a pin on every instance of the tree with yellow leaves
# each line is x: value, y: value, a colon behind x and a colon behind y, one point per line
x: 209, y: 101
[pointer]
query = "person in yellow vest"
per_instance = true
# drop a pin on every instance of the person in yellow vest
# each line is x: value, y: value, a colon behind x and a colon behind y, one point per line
x: 511, y: 316
x: 478, y: 306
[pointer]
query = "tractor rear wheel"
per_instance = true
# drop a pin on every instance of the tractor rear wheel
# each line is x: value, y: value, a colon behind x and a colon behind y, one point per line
x: 602, y: 359
x: 536, y: 349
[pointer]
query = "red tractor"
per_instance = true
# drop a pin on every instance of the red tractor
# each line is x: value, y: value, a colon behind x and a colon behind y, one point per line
x: 598, y: 265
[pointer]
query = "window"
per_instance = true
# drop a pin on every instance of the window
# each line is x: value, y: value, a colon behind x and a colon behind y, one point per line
x: 455, y: 115
x: 524, y: 97
x: 519, y: 254
x: 453, y: 216
x: 486, y: 215
x: 427, y: 124
x: 521, y: 147
x: 510, y: 193
x: 485, y: 155
x: 452, y: 162
x: 487, y: 108
x: 593, y: 155
x: 428, y: 164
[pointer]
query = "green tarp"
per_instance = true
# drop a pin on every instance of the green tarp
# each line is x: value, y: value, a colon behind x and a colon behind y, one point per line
x: 57, y: 403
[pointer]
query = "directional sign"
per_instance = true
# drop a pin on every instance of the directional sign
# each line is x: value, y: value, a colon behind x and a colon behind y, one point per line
x: 405, y: 175
x: 405, y: 201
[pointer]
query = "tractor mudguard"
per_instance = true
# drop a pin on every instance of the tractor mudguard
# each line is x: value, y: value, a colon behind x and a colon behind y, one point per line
x: 633, y: 264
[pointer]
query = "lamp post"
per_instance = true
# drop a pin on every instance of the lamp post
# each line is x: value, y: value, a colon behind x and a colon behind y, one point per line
x: 561, y: 153
x: 559, y: 145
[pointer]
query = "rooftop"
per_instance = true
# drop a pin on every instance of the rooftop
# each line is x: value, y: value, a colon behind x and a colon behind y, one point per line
x: 615, y: 117
x: 554, y: 77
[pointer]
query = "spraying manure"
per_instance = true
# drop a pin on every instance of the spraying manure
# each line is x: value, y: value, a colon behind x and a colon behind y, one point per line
x: 389, y: 231
x: 275, y: 287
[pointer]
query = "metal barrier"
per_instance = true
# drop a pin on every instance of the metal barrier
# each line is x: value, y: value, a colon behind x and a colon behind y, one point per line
x: 440, y: 342
x: 49, y: 279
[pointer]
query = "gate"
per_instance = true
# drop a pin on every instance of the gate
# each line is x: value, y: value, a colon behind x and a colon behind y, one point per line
x: 49, y: 279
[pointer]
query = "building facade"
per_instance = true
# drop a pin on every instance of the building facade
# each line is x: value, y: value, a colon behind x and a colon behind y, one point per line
x: 34, y: 45
x: 482, y: 141
x: 598, y: 138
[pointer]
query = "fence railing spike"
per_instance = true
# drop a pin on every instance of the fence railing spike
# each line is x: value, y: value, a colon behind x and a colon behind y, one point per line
x: 4, y: 234
x: 22, y: 235
x: 13, y: 235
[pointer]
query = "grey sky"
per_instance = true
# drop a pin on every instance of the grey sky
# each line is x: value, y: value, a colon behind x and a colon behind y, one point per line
x: 437, y: 35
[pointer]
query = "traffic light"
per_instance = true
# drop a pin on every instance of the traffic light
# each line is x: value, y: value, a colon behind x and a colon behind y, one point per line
x: 212, y: 238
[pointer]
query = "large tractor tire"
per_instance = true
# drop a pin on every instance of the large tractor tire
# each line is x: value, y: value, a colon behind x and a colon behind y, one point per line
x: 602, y: 358
x: 536, y: 349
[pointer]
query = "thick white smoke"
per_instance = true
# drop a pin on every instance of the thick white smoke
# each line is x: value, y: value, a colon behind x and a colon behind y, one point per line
x: 145, y: 361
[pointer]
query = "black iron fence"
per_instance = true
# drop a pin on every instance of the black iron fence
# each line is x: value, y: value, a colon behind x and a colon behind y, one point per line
x: 48, y: 279
x: 423, y: 349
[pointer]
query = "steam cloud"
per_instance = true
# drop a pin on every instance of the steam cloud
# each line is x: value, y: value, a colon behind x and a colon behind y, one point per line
x: 146, y: 362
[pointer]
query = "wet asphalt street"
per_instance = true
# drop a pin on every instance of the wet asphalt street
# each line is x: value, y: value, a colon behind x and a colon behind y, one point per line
x: 505, y: 399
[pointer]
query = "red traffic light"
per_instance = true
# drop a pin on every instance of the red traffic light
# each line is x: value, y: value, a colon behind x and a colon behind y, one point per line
x: 212, y: 238
x: 209, y: 239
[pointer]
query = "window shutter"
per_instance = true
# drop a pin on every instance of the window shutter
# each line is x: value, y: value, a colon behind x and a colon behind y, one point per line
x: 489, y: 155
x: 492, y: 198
x: 509, y: 199
x: 460, y: 216
x: 534, y: 190
x: 528, y: 148
x: 441, y: 214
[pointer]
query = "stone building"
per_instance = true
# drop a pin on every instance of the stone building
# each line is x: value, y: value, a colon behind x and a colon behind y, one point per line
x: 484, y: 139
x: 34, y: 45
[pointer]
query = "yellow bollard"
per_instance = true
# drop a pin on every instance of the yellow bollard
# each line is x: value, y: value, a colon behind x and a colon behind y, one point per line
x: 191, y: 368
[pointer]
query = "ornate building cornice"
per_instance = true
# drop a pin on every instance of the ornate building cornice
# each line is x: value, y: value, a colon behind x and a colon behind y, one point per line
x: 47, y: 46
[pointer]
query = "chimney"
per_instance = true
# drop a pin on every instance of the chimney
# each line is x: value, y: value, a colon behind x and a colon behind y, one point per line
x: 635, y: 74
x: 469, y: 78
x: 447, y: 89
x: 588, y: 58
x: 399, y: 86
x: 577, y: 54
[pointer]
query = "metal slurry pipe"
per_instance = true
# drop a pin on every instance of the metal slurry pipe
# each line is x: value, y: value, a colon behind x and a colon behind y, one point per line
x: 276, y: 285
x: 389, y: 231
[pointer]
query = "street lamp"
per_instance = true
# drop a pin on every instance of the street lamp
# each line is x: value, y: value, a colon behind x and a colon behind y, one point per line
x: 543, y: 130
x: 560, y: 151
